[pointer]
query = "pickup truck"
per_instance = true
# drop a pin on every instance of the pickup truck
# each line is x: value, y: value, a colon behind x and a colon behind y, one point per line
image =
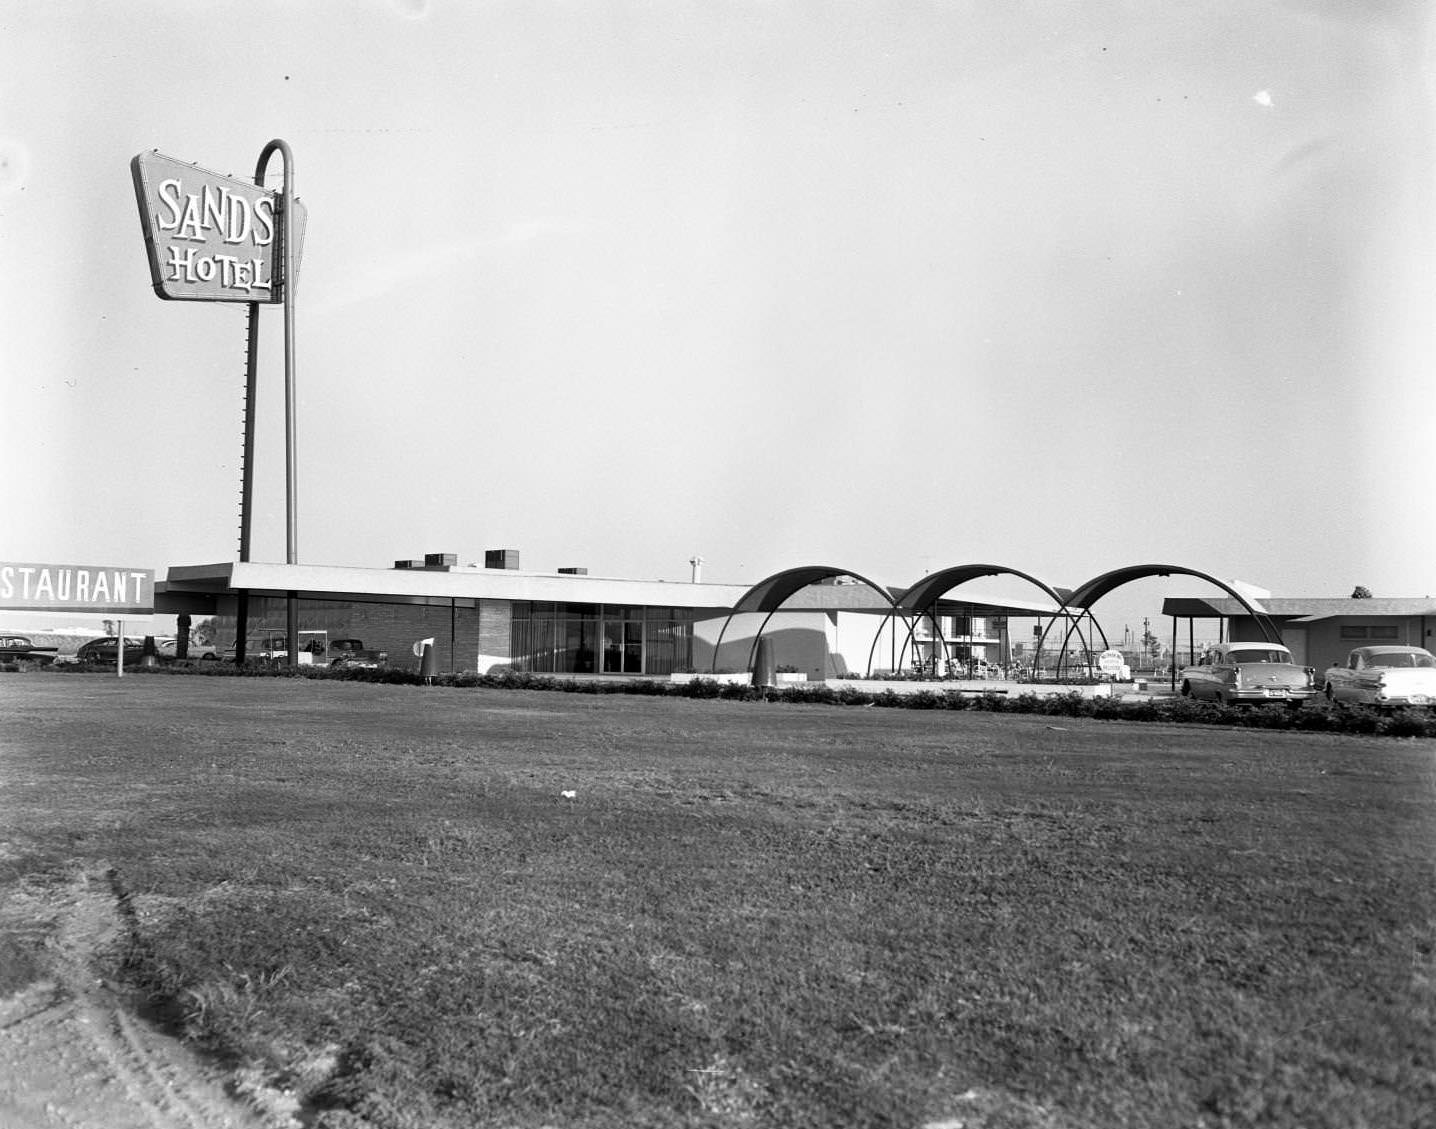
x: 352, y: 654
x: 18, y: 648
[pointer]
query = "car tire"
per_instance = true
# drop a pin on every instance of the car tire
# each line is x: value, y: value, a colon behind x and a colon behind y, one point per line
x: 209, y: 658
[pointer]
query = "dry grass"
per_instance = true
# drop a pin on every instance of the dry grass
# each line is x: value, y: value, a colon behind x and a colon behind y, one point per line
x: 749, y: 913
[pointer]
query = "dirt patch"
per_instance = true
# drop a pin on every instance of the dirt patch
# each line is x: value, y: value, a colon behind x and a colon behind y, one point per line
x: 73, y: 1052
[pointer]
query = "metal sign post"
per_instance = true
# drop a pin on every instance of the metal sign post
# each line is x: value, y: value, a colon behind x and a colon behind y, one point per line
x: 286, y: 273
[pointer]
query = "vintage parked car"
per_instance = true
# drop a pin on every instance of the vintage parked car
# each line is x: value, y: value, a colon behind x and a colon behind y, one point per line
x: 106, y: 648
x: 166, y: 648
x: 353, y: 655
x: 262, y: 647
x: 19, y: 648
x: 1385, y: 676
x: 1249, y: 672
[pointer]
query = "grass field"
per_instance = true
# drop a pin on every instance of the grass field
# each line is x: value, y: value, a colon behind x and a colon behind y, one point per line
x: 385, y: 899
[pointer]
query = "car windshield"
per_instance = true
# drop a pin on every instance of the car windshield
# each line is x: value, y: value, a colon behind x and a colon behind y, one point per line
x: 1257, y: 655
x: 1402, y: 660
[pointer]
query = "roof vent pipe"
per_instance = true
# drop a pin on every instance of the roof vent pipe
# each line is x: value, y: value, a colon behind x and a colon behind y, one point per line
x: 697, y: 563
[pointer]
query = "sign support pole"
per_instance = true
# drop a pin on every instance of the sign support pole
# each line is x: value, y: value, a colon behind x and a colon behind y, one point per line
x: 246, y: 488
x: 120, y: 650
x: 286, y: 248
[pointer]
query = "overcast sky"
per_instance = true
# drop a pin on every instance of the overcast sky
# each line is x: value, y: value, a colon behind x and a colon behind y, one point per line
x: 1062, y: 286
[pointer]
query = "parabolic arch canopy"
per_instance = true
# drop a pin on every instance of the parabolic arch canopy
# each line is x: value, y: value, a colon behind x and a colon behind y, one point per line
x: 926, y: 592
x: 770, y: 594
x: 1088, y: 594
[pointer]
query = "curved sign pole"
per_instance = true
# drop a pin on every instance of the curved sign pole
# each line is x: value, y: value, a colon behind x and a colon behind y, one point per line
x: 286, y: 250
x: 284, y: 220
x: 291, y: 498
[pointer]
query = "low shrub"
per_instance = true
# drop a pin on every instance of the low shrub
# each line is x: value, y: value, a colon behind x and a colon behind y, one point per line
x: 1408, y: 723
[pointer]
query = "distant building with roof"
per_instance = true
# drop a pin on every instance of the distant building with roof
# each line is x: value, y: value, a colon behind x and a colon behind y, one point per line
x: 1319, y: 630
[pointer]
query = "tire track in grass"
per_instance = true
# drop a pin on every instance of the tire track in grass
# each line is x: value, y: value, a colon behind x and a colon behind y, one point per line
x: 73, y: 1055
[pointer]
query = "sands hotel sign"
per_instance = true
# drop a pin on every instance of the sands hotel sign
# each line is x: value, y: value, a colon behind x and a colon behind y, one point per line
x: 210, y: 237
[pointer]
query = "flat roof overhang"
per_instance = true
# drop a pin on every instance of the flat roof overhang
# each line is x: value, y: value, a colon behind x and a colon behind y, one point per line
x: 425, y: 586
x: 1289, y: 609
x: 197, y: 589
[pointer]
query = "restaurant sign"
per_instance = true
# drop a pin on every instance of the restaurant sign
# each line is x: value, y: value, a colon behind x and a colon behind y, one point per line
x: 210, y: 238
x: 76, y: 588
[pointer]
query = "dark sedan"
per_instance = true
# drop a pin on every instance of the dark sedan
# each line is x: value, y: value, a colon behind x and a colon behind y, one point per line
x: 105, y: 649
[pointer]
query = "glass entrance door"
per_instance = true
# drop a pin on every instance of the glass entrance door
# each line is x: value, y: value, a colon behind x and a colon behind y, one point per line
x: 623, y: 641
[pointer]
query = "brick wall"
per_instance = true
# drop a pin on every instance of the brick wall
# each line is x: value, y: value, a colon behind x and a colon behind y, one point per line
x: 492, y: 642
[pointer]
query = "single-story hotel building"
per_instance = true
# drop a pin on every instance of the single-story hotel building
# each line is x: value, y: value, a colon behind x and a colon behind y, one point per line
x: 822, y: 622
x: 499, y: 617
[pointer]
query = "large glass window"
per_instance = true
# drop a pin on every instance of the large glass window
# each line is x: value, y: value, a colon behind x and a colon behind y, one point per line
x: 668, y: 640
x: 572, y: 638
x: 533, y: 634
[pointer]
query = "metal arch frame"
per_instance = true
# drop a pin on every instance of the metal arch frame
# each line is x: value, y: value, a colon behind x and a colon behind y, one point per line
x: 770, y: 593
x: 1099, y: 586
x: 878, y: 634
x: 920, y: 598
x: 1074, y: 624
x: 1089, y: 593
x: 910, y: 640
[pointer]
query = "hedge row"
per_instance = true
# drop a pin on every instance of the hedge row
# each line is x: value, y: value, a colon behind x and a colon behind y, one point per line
x: 1314, y: 717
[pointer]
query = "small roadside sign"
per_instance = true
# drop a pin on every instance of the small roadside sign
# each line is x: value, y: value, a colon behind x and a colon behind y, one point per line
x: 104, y: 589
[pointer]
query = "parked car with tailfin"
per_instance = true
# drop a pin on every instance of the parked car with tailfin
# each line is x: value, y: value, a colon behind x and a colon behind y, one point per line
x: 19, y: 648
x: 1231, y: 673
x: 1384, y: 676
